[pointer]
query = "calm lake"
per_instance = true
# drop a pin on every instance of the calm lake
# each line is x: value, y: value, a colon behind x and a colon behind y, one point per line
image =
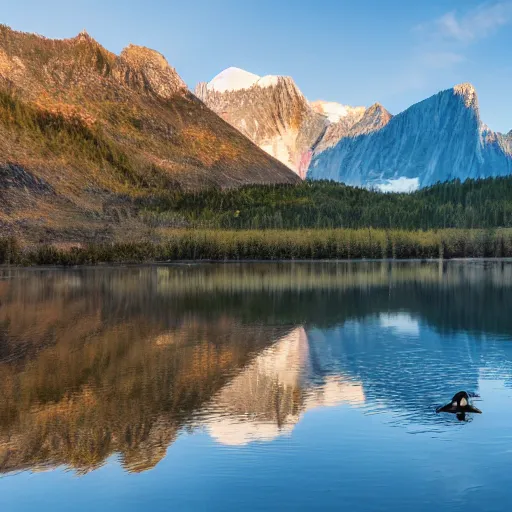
x: 265, y: 386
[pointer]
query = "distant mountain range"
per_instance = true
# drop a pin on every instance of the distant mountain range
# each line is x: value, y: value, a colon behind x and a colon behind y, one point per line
x: 273, y: 113
x: 439, y: 139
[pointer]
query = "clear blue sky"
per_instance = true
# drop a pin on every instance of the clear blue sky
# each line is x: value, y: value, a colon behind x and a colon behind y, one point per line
x: 356, y: 52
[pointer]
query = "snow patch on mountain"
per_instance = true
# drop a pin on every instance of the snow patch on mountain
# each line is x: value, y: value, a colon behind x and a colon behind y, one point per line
x: 232, y: 79
x: 268, y: 81
x: 236, y: 79
x: 401, y: 184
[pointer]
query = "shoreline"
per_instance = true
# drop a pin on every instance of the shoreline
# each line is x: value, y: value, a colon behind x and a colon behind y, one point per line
x: 189, y: 263
x: 187, y: 246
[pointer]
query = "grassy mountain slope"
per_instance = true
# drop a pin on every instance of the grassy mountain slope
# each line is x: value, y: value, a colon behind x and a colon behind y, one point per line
x: 83, y: 131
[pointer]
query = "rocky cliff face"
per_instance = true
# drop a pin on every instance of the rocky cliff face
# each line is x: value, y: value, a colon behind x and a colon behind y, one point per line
x: 94, y: 126
x: 438, y: 139
x: 270, y: 110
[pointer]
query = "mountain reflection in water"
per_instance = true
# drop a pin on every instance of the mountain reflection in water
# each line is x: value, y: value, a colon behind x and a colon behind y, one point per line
x: 266, y: 398
x: 103, y: 361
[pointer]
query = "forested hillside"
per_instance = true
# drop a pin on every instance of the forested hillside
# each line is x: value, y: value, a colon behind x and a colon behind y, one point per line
x: 471, y: 204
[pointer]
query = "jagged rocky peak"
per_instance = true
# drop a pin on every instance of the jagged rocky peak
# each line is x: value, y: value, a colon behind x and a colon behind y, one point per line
x: 378, y: 108
x: 85, y: 43
x: 140, y: 56
x: 468, y: 93
x: 149, y: 70
x: 374, y: 118
x: 38, y: 65
x: 83, y: 35
x: 354, y: 121
x: 35, y: 63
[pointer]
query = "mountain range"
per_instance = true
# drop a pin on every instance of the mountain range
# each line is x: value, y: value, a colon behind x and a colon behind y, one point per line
x: 273, y: 113
x: 438, y: 139
x: 270, y: 110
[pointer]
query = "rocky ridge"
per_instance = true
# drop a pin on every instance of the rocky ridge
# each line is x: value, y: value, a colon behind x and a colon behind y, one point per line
x: 358, y: 121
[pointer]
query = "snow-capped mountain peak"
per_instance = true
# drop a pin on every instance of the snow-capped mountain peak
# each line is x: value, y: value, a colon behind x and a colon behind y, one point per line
x: 268, y: 81
x: 236, y: 79
x: 270, y: 110
x: 437, y: 139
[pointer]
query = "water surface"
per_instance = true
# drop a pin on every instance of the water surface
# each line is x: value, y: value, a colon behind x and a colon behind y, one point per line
x: 264, y: 386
